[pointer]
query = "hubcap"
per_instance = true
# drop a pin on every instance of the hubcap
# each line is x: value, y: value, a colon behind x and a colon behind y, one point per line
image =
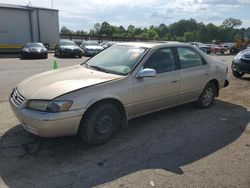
x: 208, y: 96
x: 104, y: 124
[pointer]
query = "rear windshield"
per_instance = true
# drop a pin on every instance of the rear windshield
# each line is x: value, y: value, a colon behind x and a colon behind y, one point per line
x: 67, y: 43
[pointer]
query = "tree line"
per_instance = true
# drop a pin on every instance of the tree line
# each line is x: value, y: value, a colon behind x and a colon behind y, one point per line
x: 183, y: 31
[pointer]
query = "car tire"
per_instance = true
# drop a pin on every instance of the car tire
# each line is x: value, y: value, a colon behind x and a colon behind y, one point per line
x: 207, y: 96
x: 237, y: 74
x: 100, y: 124
x: 80, y: 56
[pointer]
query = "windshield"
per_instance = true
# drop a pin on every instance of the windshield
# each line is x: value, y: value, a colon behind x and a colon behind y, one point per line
x: 90, y: 43
x: 118, y: 59
x: 33, y: 45
x: 67, y: 43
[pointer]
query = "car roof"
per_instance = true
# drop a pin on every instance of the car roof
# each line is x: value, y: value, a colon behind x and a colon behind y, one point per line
x: 153, y: 44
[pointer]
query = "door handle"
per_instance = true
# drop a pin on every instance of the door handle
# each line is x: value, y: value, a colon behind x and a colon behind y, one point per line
x: 174, y: 81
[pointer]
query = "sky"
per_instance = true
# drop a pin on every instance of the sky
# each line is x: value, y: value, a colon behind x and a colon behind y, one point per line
x: 83, y: 14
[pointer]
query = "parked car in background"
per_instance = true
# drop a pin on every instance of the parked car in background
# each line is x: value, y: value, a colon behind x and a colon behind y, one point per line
x: 219, y: 49
x: 91, y: 48
x: 204, y: 47
x: 107, y: 44
x: 127, y: 80
x: 241, y: 63
x: 67, y: 48
x: 34, y: 50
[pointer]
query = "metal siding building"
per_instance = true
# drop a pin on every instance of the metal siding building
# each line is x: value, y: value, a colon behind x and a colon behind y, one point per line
x: 22, y: 24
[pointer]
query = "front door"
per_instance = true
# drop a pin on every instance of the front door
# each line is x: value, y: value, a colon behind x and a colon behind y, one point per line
x: 153, y: 93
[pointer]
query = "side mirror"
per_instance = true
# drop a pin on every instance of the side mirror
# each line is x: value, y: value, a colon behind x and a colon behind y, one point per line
x: 146, y: 73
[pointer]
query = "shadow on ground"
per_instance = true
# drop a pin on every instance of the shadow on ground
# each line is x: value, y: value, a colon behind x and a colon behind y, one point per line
x: 10, y: 55
x: 165, y: 140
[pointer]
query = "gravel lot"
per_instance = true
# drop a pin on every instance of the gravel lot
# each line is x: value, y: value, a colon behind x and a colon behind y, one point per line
x: 178, y: 147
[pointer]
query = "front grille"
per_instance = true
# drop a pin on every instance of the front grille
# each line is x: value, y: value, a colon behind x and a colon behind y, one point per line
x: 17, y: 98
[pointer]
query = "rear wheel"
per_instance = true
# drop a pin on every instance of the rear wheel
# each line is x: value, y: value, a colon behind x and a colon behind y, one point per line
x: 237, y: 74
x: 101, y: 123
x: 207, y: 96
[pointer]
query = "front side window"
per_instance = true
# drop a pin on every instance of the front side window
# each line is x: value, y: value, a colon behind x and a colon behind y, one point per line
x: 162, y: 60
x: 189, y: 58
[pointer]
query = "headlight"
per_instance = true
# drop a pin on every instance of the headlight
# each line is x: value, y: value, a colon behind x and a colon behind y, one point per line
x: 49, y: 106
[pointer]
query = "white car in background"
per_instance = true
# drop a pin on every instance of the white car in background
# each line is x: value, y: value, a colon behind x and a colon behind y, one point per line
x: 91, y: 48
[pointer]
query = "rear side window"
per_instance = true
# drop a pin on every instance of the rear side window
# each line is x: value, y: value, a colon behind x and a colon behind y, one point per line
x: 189, y: 57
x: 162, y: 60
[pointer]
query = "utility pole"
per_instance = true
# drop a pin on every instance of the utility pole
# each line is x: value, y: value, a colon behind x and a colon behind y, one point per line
x: 52, y: 4
x: 29, y: 4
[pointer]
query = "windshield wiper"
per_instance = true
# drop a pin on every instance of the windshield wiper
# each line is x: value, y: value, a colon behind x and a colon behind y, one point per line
x: 99, y: 68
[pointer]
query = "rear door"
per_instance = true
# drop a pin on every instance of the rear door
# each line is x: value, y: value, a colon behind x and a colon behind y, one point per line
x: 194, y: 73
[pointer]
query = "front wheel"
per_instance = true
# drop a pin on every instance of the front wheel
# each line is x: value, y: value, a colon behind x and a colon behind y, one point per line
x: 207, y: 96
x: 101, y: 123
x: 237, y: 74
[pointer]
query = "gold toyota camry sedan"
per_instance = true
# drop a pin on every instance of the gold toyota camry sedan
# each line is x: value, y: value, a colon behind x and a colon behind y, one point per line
x: 96, y: 98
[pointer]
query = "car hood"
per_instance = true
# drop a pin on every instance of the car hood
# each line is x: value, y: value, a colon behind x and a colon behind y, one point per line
x: 245, y: 54
x: 34, y: 49
x: 51, y: 84
x: 94, y: 47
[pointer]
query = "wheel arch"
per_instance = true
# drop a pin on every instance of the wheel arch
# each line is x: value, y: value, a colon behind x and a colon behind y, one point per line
x: 117, y: 103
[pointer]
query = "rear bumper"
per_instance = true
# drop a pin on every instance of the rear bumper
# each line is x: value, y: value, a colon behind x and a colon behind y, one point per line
x: 48, y: 124
x: 219, y: 50
x: 91, y: 52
